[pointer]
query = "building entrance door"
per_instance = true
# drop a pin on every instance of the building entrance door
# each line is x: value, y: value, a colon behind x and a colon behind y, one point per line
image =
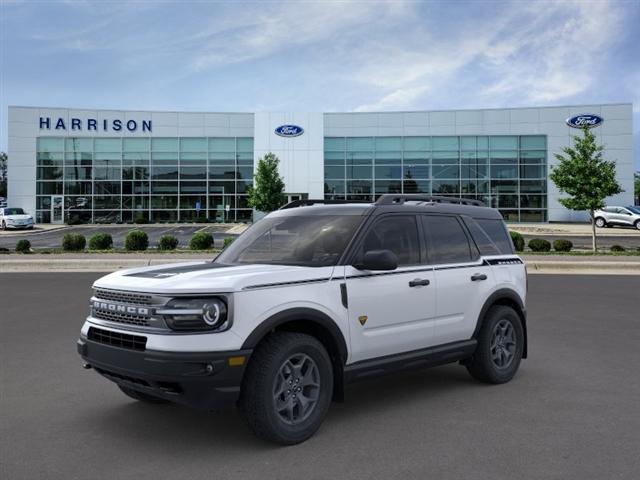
x: 57, y: 209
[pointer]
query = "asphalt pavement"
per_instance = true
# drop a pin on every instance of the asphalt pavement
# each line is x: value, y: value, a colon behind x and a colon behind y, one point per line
x: 572, y: 412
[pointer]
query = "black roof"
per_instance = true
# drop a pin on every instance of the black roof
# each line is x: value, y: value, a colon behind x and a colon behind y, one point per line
x: 392, y: 203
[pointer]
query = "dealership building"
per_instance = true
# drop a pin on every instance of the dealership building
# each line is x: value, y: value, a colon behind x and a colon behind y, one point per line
x: 110, y: 166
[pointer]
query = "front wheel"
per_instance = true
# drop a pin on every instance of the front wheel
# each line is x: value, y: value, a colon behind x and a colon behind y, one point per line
x: 500, y: 346
x: 637, y: 224
x: 287, y: 388
x: 600, y: 222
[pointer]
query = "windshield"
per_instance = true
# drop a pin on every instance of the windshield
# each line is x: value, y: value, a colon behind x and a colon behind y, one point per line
x: 308, y: 241
x: 13, y: 211
x: 634, y: 209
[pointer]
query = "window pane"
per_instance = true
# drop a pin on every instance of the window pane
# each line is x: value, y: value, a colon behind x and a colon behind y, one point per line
x: 504, y: 171
x: 359, y: 158
x: 135, y: 145
x: 49, y: 144
x: 445, y: 143
x: 445, y: 186
x: 398, y: 234
x: 388, y: 186
x: 445, y: 171
x: 468, y: 143
x: 334, y: 158
x: 504, y: 142
x: 78, y: 144
x: 334, y: 144
x: 355, y: 144
x: 245, y: 145
x: 447, y: 241
x: 334, y: 187
x: 221, y: 187
x: 496, y: 232
x: 107, y: 144
x: 222, y: 145
x: 533, y: 157
x: 359, y: 187
x: 419, y: 186
x: 504, y: 157
x: 415, y: 158
x: 388, y: 143
x: 415, y: 171
x: 193, y: 144
x: 198, y: 187
x: 388, y: 158
x: 333, y: 172
x: 164, y: 144
x: 417, y: 143
x: 49, y: 173
x: 193, y: 173
x: 532, y: 142
x: 163, y: 173
x: 382, y: 172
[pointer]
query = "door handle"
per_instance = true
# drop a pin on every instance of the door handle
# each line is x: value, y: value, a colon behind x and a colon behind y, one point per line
x: 478, y: 276
x: 419, y: 283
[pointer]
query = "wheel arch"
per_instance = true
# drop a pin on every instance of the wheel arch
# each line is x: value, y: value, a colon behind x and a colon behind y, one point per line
x: 508, y: 298
x: 312, y: 322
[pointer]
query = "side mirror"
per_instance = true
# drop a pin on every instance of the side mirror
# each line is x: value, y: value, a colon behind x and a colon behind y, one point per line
x: 378, y: 260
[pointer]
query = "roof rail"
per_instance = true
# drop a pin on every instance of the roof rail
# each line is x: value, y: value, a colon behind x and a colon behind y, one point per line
x: 308, y: 202
x: 399, y: 199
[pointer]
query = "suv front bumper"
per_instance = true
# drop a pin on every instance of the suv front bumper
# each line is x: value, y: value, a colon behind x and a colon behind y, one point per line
x: 202, y: 380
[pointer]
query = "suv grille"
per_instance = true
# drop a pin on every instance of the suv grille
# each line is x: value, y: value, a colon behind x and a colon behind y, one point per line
x: 123, y: 297
x: 126, y: 318
x: 117, y: 339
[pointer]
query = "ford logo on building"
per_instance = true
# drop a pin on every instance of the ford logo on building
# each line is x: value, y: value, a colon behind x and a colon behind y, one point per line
x: 588, y: 120
x: 289, y: 131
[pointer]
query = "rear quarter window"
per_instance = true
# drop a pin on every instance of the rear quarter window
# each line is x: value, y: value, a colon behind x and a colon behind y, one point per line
x: 497, y: 232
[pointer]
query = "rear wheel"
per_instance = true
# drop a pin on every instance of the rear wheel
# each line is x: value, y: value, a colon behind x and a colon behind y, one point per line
x: 500, y: 346
x: 600, y: 222
x: 141, y: 396
x: 287, y: 388
x: 637, y: 224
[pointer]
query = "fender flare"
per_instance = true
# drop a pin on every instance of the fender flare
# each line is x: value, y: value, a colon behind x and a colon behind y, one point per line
x: 512, y: 297
x: 299, y: 314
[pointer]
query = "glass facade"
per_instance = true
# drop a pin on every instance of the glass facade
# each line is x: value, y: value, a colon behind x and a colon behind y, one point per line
x: 109, y: 180
x: 508, y: 172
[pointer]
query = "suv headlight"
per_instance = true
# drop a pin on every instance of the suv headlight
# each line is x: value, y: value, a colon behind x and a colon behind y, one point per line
x: 196, y: 314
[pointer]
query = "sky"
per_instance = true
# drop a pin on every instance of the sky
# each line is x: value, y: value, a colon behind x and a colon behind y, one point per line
x: 318, y: 55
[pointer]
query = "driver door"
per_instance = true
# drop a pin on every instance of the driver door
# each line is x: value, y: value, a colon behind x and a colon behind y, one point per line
x: 391, y: 311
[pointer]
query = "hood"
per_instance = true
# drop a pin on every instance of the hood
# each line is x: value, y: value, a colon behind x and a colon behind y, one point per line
x: 206, y: 277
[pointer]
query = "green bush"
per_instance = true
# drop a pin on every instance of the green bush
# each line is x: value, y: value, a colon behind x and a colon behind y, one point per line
x: 142, y: 220
x: 73, y: 242
x: 539, y: 245
x: 167, y: 242
x: 201, y: 241
x: 562, y: 245
x: 101, y: 241
x: 227, y: 241
x: 617, y: 248
x: 136, y: 240
x: 518, y: 240
x: 23, y: 246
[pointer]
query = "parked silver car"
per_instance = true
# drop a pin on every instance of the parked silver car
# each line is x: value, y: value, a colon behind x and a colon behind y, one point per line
x: 624, y: 216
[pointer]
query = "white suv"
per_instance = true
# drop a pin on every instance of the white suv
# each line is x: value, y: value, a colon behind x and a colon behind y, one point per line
x: 311, y: 297
x: 15, y: 218
x: 624, y: 216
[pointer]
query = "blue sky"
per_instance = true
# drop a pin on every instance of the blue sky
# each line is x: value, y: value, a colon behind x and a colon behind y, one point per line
x: 318, y: 55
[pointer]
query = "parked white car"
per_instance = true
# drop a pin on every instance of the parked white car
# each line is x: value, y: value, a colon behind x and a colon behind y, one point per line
x: 15, y: 218
x: 312, y: 297
x: 621, y: 216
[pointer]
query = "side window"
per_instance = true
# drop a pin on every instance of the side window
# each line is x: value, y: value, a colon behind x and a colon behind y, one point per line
x: 484, y: 243
x: 398, y: 234
x: 447, y: 240
x: 498, y: 233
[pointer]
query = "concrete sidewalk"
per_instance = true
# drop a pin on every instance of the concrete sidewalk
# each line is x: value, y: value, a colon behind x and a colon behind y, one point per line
x: 618, y: 265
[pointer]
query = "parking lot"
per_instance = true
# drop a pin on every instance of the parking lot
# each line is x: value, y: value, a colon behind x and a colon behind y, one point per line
x: 53, y: 238
x: 571, y: 412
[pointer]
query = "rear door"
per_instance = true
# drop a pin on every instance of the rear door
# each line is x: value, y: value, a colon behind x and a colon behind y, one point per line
x: 391, y: 311
x: 463, y: 280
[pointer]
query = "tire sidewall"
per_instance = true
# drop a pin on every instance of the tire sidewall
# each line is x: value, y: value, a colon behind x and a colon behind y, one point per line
x: 290, y: 434
x: 603, y: 223
x: 495, y: 315
x: 637, y: 224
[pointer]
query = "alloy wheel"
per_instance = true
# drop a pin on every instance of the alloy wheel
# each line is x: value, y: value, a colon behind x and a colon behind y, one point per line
x: 296, y: 389
x: 503, y: 344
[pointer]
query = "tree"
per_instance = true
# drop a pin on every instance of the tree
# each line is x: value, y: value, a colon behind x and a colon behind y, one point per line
x: 3, y: 174
x: 267, y: 193
x: 585, y: 176
x: 636, y: 187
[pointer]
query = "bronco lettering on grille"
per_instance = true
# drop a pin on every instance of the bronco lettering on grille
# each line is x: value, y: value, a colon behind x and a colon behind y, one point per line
x: 114, y: 307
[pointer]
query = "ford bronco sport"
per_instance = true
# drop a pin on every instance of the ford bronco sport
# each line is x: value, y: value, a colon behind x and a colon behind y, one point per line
x: 313, y: 296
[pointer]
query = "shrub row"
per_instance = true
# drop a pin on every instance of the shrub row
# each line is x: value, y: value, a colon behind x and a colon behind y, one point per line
x: 136, y: 240
x: 539, y: 244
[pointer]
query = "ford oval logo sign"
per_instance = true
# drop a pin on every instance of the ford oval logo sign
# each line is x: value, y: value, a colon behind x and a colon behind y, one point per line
x: 289, y: 131
x: 583, y: 120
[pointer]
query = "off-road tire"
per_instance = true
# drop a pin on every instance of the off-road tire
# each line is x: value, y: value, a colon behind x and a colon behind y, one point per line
x: 257, y: 398
x: 141, y: 396
x: 482, y: 365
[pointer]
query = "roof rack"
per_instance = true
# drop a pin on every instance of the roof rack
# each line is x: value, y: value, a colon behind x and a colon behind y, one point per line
x: 307, y: 202
x: 399, y: 199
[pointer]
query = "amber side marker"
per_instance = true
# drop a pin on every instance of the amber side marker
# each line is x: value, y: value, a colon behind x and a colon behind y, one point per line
x: 236, y: 361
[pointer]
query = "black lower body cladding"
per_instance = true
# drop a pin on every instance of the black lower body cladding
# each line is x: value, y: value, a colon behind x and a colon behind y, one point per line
x: 202, y: 380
